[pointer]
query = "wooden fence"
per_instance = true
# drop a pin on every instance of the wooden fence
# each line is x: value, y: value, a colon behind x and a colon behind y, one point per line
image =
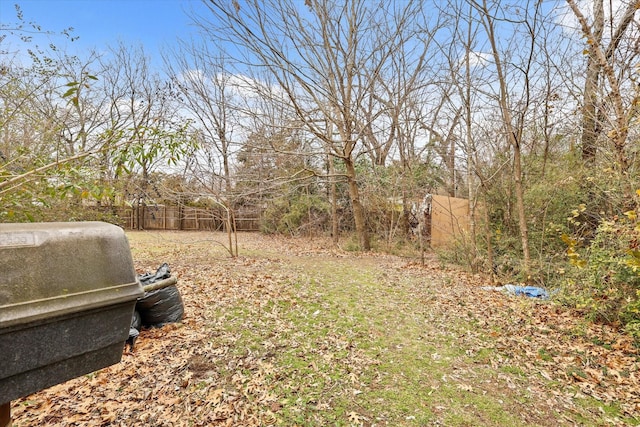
x: 182, y: 218
x: 446, y: 219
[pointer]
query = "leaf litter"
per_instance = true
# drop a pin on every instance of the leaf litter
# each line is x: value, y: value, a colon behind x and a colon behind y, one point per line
x: 297, y: 332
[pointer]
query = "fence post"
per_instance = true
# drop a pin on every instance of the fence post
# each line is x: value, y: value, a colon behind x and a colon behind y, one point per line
x: 164, y: 217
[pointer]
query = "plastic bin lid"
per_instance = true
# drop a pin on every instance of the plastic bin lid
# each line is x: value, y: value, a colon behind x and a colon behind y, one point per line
x: 51, y: 269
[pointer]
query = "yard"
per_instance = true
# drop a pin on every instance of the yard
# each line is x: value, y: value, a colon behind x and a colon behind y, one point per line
x: 294, y: 332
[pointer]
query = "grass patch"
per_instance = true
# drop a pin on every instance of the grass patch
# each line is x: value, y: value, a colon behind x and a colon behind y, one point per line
x: 355, y: 346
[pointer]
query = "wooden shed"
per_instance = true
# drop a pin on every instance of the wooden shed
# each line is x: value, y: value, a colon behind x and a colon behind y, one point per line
x: 447, y: 218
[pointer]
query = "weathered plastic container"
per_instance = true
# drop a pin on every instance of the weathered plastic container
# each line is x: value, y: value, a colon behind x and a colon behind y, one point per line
x: 67, y: 295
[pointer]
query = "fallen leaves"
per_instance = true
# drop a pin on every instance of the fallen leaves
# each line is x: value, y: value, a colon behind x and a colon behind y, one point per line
x: 255, y: 348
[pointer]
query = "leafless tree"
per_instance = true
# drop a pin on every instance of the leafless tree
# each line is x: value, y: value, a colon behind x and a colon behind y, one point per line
x: 608, y: 70
x: 515, y: 80
x: 325, y: 57
x: 143, y: 119
x: 207, y: 92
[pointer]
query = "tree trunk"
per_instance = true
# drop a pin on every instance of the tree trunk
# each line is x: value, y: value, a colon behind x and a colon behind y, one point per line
x: 605, y: 65
x: 358, y: 210
x: 489, y: 241
x: 334, y: 202
x: 590, y: 122
x: 513, y: 136
x: 522, y: 216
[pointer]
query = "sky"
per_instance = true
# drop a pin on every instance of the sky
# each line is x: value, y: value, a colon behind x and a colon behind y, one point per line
x: 99, y: 23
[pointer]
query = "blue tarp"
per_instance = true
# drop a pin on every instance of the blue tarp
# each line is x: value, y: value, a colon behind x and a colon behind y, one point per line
x: 528, y: 291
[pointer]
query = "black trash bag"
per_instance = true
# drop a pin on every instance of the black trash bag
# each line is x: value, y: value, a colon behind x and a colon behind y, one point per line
x: 131, y: 341
x: 136, y: 320
x: 134, y: 330
x: 163, y: 272
x: 161, y: 306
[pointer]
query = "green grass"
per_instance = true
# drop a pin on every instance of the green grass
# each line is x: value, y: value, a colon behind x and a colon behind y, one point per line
x: 351, y: 343
x: 356, y: 349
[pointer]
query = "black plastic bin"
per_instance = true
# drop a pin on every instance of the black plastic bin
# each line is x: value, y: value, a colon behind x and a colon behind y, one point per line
x: 67, y: 293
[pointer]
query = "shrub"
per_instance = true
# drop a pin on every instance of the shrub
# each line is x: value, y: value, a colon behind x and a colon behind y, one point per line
x: 604, y: 278
x: 301, y: 214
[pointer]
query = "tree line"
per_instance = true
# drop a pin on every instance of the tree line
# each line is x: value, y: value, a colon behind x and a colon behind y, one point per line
x: 337, y: 117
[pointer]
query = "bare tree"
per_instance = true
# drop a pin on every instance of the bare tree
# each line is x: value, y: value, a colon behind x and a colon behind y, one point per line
x: 404, y: 78
x: 206, y: 91
x: 607, y: 62
x: 590, y: 122
x: 514, y: 102
x: 325, y: 57
x: 143, y: 119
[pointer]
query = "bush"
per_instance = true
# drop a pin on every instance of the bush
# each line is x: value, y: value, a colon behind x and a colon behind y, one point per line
x: 301, y: 214
x: 604, y: 279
